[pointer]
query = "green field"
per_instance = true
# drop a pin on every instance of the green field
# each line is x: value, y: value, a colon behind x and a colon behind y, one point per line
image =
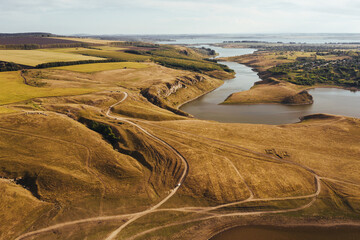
x: 185, y: 64
x: 119, y: 56
x: 35, y: 57
x: 14, y: 90
x: 99, y: 67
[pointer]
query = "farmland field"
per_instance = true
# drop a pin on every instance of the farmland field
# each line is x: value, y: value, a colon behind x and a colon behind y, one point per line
x: 35, y: 57
x: 98, y: 67
x: 85, y: 40
x: 34, y: 40
x: 120, y: 56
x: 14, y: 90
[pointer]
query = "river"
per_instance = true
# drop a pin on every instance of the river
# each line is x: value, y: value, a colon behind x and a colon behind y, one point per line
x: 326, y: 100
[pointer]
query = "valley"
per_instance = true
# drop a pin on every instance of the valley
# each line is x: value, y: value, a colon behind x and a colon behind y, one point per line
x: 105, y: 149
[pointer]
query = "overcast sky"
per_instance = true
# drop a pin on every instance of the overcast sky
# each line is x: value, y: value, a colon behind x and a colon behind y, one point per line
x: 180, y: 16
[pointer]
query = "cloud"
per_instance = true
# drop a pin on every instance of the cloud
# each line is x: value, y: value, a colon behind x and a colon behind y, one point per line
x: 182, y: 16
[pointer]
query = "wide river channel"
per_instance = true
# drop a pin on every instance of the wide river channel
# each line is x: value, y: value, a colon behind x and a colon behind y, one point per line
x: 326, y: 100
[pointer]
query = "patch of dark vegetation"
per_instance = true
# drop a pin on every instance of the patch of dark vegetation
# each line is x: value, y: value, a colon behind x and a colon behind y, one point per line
x: 191, y: 65
x: 35, y: 80
x: 137, y: 52
x: 318, y: 116
x: 135, y: 44
x: 211, y: 60
x: 28, y: 181
x: 104, y: 129
x: 310, y: 71
x: 109, y: 135
x: 60, y: 64
x: 300, y: 98
x: 28, y: 34
x: 136, y: 155
x: 205, y: 51
x: 119, y: 56
x: 9, y: 66
x: 263, y: 46
x: 31, y: 42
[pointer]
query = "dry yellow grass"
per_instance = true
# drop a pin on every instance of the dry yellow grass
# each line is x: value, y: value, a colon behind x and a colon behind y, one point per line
x: 99, y: 67
x: 13, y: 89
x: 328, y: 146
x: 63, y: 50
x: 35, y: 57
x: 85, y: 164
x: 21, y: 204
x: 75, y: 171
x: 273, y: 92
x: 87, y: 40
x: 139, y: 107
x: 6, y: 110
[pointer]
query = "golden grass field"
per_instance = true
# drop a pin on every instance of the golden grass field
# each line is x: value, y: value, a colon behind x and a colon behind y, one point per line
x: 6, y: 110
x: 87, y: 40
x: 35, y: 57
x: 100, y: 67
x: 13, y: 89
x: 114, y: 54
x: 73, y: 171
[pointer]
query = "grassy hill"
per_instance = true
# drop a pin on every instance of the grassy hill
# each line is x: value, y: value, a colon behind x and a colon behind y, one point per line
x: 14, y: 90
x: 86, y: 149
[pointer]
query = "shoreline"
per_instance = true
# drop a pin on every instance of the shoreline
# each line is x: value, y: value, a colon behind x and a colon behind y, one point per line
x: 287, y: 226
x: 263, y: 81
x: 193, y: 99
x: 258, y: 72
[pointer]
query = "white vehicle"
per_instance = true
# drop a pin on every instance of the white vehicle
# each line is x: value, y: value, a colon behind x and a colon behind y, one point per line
x: 178, y: 185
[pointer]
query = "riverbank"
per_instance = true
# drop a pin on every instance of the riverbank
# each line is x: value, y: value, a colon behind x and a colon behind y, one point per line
x: 272, y: 89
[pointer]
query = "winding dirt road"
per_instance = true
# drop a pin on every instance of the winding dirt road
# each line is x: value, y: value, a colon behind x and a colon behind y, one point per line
x: 172, y: 192
x: 201, y: 210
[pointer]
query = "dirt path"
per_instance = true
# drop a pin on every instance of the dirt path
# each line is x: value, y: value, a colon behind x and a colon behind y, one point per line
x: 201, y: 210
x: 243, y: 179
x: 223, y: 215
x: 133, y: 217
x: 172, y: 192
x: 218, y: 215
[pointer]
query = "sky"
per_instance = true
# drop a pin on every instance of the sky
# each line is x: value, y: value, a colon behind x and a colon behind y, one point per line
x: 180, y: 16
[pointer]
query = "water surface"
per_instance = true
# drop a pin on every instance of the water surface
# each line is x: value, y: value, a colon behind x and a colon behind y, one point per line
x: 286, y: 233
x: 285, y: 38
x: 326, y: 100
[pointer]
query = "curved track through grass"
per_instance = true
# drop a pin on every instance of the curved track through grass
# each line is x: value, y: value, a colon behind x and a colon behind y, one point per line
x: 132, y: 217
